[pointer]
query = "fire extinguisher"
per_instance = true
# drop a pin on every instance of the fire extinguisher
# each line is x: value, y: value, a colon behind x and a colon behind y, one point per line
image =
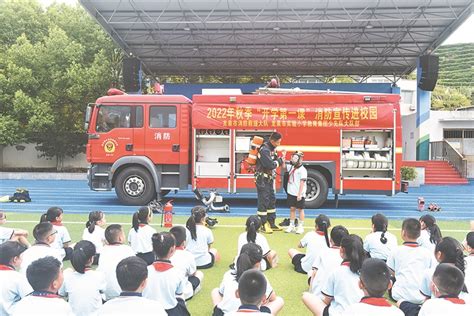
x: 168, y: 214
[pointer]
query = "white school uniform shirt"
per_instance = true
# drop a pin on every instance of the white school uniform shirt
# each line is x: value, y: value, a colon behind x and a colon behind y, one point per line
x: 136, y: 305
x: 326, y: 261
x: 315, y: 243
x: 164, y: 284
x: 184, y: 261
x: 444, y: 306
x: 38, y: 251
x: 140, y: 240
x: 259, y: 240
x: 425, y: 286
x: 43, y: 306
x: 424, y: 241
x: 97, y: 237
x: 469, y: 276
x: 294, y: 178
x: 84, y: 291
x: 62, y: 237
x: 200, y: 247
x: 5, y: 234
x: 109, y: 259
x: 13, y: 287
x: 409, y: 262
x: 343, y: 286
x: 376, y: 248
x: 230, y: 302
x: 373, y: 306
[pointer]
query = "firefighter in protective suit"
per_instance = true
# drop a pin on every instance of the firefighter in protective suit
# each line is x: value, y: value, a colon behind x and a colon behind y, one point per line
x: 267, y: 163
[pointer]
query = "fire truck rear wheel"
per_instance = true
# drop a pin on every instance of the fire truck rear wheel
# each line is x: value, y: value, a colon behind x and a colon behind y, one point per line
x: 135, y: 186
x: 316, y: 189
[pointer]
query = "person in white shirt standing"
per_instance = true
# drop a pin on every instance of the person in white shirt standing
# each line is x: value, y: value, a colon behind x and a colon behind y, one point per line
x: 315, y: 242
x: 199, y: 239
x: 139, y: 236
x: 54, y: 215
x: 380, y: 243
x: 132, y: 275
x: 45, y: 277
x: 95, y: 233
x: 14, y: 234
x: 44, y: 234
x: 296, y: 190
x: 446, y: 285
x: 184, y: 261
x: 111, y: 255
x: 374, y: 281
x: 13, y: 286
x: 83, y: 287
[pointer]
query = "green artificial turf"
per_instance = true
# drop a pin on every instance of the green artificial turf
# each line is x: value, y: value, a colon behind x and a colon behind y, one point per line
x: 286, y: 283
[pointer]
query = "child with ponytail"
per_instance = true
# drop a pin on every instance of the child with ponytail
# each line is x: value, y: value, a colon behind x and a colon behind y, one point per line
x: 95, y: 233
x: 342, y: 287
x: 380, y: 243
x: 314, y: 242
x: 54, y: 215
x: 430, y: 234
x: 225, y: 299
x: 140, y: 234
x: 83, y: 287
x: 253, y: 224
x: 199, y: 239
x: 166, y: 283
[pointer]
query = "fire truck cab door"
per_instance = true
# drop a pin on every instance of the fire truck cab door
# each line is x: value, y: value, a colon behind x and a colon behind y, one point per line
x: 162, y: 137
x: 117, y: 133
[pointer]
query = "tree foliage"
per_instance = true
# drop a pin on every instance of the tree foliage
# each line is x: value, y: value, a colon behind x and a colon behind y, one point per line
x: 52, y: 62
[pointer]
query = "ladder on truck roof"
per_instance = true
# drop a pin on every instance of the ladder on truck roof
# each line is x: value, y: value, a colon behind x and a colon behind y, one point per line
x: 306, y: 91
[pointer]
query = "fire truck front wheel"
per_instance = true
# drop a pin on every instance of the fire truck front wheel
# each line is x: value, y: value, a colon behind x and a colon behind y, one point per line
x: 316, y: 189
x: 135, y: 186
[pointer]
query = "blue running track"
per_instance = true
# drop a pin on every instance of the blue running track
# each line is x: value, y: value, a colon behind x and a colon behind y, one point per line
x: 74, y: 196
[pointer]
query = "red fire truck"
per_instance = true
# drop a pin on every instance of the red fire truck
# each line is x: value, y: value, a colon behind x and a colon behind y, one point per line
x: 146, y: 145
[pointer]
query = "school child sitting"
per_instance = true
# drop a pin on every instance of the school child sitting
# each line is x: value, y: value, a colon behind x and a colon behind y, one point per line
x: 408, y: 263
x: 13, y: 234
x: 45, y: 277
x: 184, y: 261
x: 224, y: 297
x: 83, y: 287
x: 54, y: 215
x: 342, y: 286
x: 95, y: 233
x: 469, y: 271
x: 14, y: 285
x: 252, y: 293
x: 446, y: 285
x: 139, y: 236
x: 44, y: 234
x: 296, y: 191
x: 315, y: 242
x: 199, y: 239
x: 374, y: 281
x: 430, y: 234
x: 253, y: 223
x: 380, y: 243
x: 111, y: 255
x: 327, y: 260
x: 165, y: 282
x: 132, y: 275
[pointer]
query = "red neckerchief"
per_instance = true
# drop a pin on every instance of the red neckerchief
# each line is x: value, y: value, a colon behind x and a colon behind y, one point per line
x: 56, y: 223
x: 320, y: 233
x: 4, y: 267
x: 162, y: 265
x: 292, y: 174
x: 45, y: 294
x: 346, y: 263
x: 142, y: 225
x: 180, y: 248
x: 453, y: 299
x: 376, y: 301
x: 412, y: 244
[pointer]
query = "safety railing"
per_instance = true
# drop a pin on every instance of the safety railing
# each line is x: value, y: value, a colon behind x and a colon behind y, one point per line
x: 443, y: 150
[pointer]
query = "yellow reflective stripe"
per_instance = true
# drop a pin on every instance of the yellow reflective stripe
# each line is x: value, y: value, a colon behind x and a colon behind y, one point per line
x: 320, y: 149
x: 261, y: 213
x: 271, y: 211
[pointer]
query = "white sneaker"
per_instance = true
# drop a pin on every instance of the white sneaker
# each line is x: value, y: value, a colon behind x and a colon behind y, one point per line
x: 290, y: 228
x: 300, y: 229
